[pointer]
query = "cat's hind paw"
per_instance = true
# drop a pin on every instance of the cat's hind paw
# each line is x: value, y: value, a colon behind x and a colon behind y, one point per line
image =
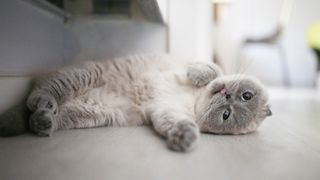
x: 182, y: 136
x: 42, y: 122
x: 38, y: 101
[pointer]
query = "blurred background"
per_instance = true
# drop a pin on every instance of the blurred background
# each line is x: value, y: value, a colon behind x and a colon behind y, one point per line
x: 274, y: 40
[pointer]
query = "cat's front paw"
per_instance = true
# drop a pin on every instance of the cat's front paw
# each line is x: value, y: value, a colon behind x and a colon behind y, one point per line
x: 182, y: 136
x: 42, y: 122
x: 200, y: 74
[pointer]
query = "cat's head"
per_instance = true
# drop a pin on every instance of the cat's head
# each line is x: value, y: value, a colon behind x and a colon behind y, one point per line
x: 232, y: 105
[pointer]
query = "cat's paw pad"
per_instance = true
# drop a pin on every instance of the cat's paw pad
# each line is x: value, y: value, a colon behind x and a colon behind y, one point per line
x: 183, y: 136
x: 42, y: 122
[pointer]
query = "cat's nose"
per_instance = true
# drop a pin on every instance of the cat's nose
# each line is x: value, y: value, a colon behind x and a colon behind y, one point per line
x: 228, y: 96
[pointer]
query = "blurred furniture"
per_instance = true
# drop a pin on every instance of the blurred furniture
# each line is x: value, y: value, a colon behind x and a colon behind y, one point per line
x: 217, y: 5
x: 274, y: 39
x: 313, y: 39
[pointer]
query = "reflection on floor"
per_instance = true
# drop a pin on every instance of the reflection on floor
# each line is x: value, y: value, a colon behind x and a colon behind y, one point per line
x: 286, y: 146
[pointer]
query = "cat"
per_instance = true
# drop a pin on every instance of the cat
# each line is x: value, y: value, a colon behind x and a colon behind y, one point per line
x: 179, y: 98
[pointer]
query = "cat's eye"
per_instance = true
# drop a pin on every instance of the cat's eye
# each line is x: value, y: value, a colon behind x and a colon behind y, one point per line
x: 246, y: 96
x: 226, y: 114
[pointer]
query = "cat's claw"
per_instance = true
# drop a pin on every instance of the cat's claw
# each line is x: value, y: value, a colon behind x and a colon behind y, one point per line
x: 182, y: 136
x: 42, y: 122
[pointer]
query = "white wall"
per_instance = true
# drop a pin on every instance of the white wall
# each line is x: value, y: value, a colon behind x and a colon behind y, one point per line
x: 257, y: 17
x: 13, y: 90
x: 30, y: 38
x: 99, y: 38
x: 190, y: 28
x: 188, y: 33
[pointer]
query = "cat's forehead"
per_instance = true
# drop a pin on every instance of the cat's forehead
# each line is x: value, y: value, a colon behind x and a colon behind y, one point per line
x: 243, y: 83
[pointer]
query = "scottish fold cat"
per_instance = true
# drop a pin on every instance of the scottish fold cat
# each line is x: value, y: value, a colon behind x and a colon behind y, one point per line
x: 179, y: 98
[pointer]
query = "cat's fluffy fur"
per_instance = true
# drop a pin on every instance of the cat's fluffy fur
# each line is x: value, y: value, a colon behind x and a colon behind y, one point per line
x: 178, y: 97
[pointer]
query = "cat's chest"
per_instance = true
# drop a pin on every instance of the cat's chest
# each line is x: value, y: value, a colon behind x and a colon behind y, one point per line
x: 173, y: 84
x: 144, y: 87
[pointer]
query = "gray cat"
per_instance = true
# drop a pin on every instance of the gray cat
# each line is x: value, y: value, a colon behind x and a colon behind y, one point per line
x: 180, y: 98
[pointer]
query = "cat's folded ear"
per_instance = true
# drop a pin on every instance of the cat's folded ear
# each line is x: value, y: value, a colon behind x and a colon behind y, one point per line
x: 266, y: 110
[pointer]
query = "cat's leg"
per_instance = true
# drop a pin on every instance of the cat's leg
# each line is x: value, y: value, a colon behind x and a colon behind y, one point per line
x: 68, y: 83
x: 177, y: 126
x: 85, y: 113
x: 51, y: 92
x: 201, y: 73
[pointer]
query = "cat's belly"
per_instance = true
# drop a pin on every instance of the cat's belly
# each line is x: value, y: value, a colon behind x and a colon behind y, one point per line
x: 134, y: 95
x: 132, y: 105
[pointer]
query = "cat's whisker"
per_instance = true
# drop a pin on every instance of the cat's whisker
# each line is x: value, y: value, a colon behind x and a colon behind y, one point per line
x: 203, y: 117
x: 250, y: 62
x: 234, y: 86
x: 238, y: 75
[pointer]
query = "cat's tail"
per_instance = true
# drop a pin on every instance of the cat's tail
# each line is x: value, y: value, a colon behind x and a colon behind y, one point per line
x: 14, y: 121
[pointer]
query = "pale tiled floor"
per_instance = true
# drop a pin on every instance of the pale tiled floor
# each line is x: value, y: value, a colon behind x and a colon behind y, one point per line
x: 286, y: 146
